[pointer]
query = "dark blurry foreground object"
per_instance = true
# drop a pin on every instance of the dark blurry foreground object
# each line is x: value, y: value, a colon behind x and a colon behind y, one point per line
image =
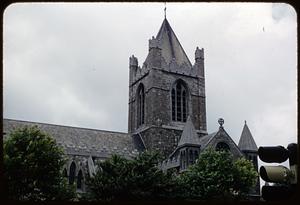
x: 285, y: 179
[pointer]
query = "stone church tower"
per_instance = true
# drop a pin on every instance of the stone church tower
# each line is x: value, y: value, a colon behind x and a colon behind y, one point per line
x: 165, y: 91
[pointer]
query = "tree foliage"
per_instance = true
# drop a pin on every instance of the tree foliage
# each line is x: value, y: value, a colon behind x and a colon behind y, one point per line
x: 216, y: 175
x: 140, y: 178
x: 33, y: 166
x: 245, y: 176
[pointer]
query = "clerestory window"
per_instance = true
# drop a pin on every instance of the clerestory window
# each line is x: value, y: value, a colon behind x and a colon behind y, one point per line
x: 179, y: 102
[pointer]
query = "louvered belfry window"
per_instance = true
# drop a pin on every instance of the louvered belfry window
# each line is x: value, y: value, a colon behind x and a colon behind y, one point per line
x: 179, y: 102
x: 140, y: 105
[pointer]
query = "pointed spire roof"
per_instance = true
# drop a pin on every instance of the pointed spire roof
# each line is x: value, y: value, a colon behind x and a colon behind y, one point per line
x: 189, y: 135
x: 246, y: 141
x: 170, y: 45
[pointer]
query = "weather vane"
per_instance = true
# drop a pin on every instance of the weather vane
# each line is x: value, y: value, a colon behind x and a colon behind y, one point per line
x: 165, y: 10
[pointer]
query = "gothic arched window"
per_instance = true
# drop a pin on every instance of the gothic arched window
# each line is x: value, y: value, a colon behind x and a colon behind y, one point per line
x: 72, y: 173
x: 184, y: 160
x: 140, y: 105
x: 79, y: 180
x: 179, y: 102
x: 181, y: 159
x: 222, y: 146
x: 191, y: 160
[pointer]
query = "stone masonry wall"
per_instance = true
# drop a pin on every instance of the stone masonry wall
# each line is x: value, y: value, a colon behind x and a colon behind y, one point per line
x: 161, y: 139
x: 158, y: 85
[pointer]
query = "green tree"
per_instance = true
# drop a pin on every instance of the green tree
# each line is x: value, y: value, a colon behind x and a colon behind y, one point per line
x: 148, y: 181
x: 33, y: 167
x: 216, y: 175
x: 136, y: 179
x: 111, y: 179
x: 245, y: 176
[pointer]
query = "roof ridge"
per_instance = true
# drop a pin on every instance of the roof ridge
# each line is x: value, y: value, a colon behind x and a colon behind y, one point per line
x: 68, y: 126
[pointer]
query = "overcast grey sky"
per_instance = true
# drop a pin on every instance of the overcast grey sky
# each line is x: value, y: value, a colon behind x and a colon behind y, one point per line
x: 67, y: 63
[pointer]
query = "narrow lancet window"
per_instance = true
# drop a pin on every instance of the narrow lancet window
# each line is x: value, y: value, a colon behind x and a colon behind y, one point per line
x: 184, y: 106
x: 79, y: 180
x: 72, y: 173
x: 140, y: 105
x: 173, y: 104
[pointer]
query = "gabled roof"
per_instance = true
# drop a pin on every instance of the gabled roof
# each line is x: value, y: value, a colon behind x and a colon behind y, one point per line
x: 206, y: 139
x: 170, y: 45
x: 220, y: 136
x: 189, y: 135
x: 82, y: 141
x: 246, y: 141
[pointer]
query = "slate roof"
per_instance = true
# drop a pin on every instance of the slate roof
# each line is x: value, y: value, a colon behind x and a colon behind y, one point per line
x: 170, y: 45
x: 246, y: 141
x: 206, y: 139
x: 189, y: 135
x: 82, y: 141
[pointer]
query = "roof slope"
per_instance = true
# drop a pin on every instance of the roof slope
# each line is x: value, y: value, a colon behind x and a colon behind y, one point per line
x: 246, y: 141
x: 170, y: 45
x: 81, y: 141
x: 189, y: 135
x: 206, y: 139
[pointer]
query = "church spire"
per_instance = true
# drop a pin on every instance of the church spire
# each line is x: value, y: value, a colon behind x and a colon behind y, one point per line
x: 170, y: 45
x: 246, y: 141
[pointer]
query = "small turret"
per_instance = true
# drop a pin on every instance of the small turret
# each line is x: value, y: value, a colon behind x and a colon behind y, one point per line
x: 133, y: 66
x: 199, y: 62
x: 248, y: 146
x: 154, y: 43
x: 133, y: 61
x: 199, y: 54
x: 154, y: 53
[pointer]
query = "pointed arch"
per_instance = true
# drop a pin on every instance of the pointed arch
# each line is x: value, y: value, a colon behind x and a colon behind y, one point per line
x: 179, y: 101
x: 140, y: 105
x: 222, y: 146
x: 72, y: 173
x: 80, y: 180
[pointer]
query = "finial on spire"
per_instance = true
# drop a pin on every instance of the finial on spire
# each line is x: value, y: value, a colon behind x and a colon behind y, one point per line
x: 165, y: 10
x: 245, y: 122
